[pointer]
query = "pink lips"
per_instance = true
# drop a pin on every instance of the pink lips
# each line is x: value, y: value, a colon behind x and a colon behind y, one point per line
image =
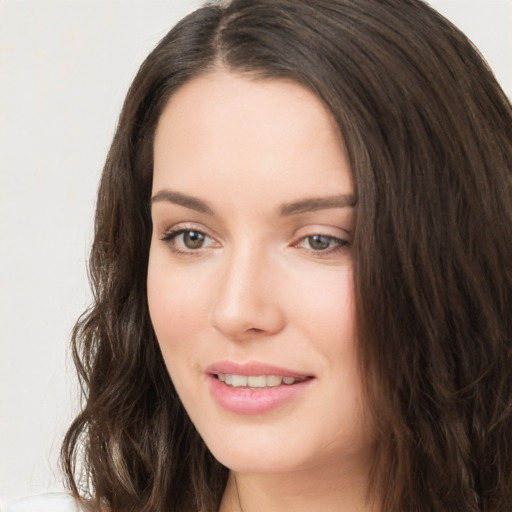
x: 245, y: 400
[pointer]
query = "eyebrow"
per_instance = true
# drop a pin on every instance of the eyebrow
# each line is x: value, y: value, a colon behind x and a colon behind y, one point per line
x: 317, y: 203
x: 185, y: 200
x: 285, y: 210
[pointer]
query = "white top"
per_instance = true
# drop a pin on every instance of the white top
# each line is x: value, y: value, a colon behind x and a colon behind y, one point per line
x: 50, y: 502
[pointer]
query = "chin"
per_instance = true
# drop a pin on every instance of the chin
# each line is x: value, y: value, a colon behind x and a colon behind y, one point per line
x: 271, y: 449
x: 263, y: 449
x: 257, y: 461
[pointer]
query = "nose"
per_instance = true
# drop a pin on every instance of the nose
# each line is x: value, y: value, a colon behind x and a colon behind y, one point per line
x: 246, y: 305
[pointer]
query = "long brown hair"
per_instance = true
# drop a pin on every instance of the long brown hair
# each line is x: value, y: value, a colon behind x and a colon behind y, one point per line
x: 429, y: 134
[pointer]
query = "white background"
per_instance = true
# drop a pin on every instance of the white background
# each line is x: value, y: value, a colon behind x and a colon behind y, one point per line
x: 65, y: 67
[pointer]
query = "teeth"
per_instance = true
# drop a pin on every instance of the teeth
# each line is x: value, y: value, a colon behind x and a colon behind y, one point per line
x: 256, y: 381
x: 273, y: 380
x: 238, y: 381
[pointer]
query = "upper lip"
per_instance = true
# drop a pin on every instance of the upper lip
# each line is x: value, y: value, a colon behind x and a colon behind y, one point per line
x: 252, y: 368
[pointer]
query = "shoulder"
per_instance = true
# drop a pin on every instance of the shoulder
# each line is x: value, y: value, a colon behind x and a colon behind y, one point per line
x: 51, y: 502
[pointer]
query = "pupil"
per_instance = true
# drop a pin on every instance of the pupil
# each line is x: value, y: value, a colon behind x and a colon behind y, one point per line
x: 319, y: 242
x: 193, y: 239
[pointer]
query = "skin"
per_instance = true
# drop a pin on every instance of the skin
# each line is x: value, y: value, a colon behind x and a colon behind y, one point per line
x: 257, y: 287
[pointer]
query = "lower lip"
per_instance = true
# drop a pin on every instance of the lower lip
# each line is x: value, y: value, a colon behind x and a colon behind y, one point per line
x: 254, y: 400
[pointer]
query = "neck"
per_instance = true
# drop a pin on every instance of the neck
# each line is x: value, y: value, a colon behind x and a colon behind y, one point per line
x: 299, y: 491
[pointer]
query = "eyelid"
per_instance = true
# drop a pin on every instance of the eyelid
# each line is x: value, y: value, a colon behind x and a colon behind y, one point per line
x: 186, y: 226
x: 169, y: 235
x: 344, y: 241
x: 323, y: 230
x: 341, y: 241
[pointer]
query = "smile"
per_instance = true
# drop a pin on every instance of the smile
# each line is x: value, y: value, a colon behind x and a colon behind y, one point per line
x: 254, y: 387
x: 257, y: 381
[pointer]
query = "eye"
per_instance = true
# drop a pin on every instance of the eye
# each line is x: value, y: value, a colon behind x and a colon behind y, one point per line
x: 187, y: 240
x: 192, y: 239
x: 322, y: 243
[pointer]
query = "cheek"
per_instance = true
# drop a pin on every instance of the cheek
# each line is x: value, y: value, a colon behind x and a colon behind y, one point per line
x: 324, y: 305
x: 326, y: 313
x: 178, y: 305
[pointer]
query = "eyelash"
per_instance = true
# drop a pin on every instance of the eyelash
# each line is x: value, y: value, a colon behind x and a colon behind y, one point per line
x: 170, y: 239
x: 340, y: 245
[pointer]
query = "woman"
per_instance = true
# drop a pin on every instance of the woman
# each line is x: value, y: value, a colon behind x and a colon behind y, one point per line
x: 302, y: 270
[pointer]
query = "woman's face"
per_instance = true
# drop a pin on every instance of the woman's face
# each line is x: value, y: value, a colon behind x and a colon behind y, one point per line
x: 250, y: 282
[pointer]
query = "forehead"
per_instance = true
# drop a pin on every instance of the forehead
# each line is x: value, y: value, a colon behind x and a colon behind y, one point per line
x: 260, y: 135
